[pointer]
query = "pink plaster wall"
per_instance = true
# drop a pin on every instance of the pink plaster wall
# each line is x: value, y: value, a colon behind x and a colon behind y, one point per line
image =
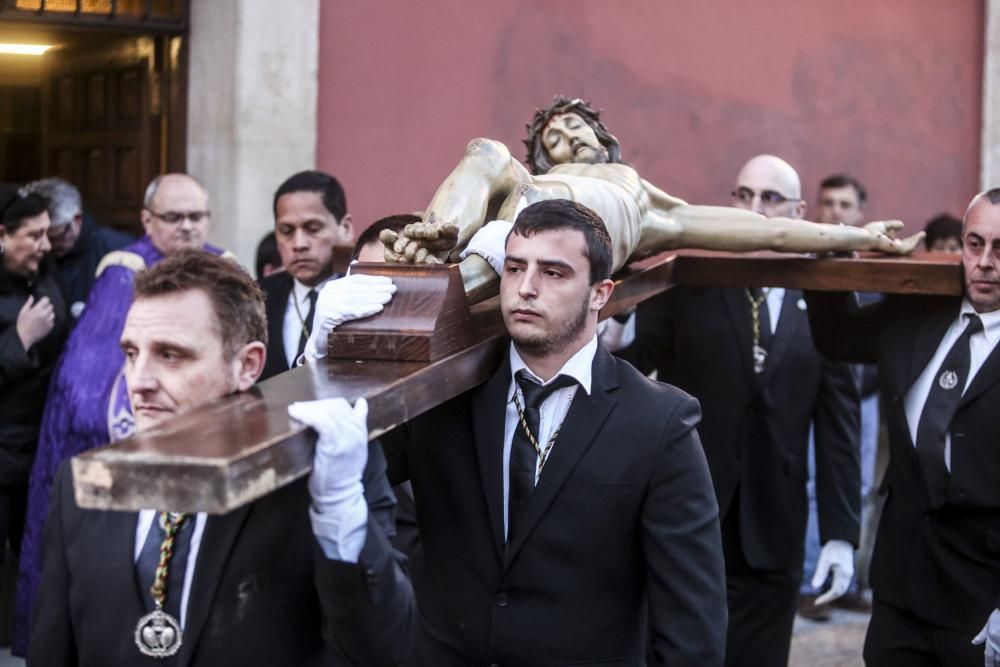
x: 889, y: 90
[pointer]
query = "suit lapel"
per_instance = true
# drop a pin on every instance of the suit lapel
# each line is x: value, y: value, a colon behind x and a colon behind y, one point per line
x: 580, y: 428
x: 118, y: 536
x: 988, y: 375
x: 489, y: 410
x: 275, y: 306
x: 932, y: 330
x: 790, y: 322
x: 213, y: 554
x: 739, y: 312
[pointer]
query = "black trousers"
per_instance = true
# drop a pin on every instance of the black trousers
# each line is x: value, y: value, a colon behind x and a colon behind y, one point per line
x: 897, y: 638
x: 13, y: 505
x: 761, y: 604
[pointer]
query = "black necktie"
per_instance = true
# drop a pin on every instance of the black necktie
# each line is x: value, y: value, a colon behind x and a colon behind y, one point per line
x: 523, y: 458
x: 149, y: 558
x: 939, y: 408
x: 308, y: 324
x: 764, y: 317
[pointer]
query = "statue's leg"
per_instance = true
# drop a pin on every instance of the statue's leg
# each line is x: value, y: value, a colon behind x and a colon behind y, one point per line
x: 487, y: 171
x: 656, y: 234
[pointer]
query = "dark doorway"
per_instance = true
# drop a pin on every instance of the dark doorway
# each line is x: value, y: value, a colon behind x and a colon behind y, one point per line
x: 104, y: 108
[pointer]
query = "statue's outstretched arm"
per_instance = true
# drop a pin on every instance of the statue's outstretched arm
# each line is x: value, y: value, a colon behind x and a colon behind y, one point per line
x: 459, y: 206
x: 660, y: 200
x: 724, y: 228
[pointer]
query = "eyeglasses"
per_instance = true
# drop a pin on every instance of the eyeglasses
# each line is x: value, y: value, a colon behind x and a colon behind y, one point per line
x: 173, y: 217
x: 767, y: 197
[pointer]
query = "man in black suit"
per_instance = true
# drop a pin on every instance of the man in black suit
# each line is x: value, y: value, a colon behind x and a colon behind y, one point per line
x: 935, y: 572
x: 261, y: 585
x: 557, y: 497
x: 310, y: 218
x: 747, y: 356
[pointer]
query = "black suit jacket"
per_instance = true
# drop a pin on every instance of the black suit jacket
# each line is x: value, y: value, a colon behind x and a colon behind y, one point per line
x: 623, y: 510
x: 276, y: 288
x: 263, y: 591
x: 755, y: 430
x: 943, y: 564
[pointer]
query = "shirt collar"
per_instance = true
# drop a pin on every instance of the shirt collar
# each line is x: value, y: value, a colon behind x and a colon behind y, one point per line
x: 991, y: 321
x: 580, y: 367
x: 302, y: 291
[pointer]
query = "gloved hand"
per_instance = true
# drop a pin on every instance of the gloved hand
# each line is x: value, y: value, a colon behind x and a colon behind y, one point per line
x: 836, y: 558
x: 990, y: 635
x: 339, y: 513
x: 490, y: 243
x: 349, y: 298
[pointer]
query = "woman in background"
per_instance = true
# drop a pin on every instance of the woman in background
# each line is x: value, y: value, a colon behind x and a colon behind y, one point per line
x: 32, y: 331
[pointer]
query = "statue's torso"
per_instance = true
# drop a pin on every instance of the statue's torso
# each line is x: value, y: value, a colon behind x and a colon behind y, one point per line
x: 614, y: 191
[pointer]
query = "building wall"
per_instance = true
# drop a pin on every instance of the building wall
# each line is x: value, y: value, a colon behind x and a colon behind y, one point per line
x: 889, y: 90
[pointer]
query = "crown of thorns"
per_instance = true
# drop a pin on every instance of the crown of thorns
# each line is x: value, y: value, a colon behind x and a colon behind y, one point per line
x: 538, y: 156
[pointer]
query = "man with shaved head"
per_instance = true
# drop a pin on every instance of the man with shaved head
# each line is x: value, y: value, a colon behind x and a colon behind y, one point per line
x: 746, y: 354
x: 88, y: 404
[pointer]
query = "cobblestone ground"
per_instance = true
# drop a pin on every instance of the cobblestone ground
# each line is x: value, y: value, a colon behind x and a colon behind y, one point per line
x: 835, y: 643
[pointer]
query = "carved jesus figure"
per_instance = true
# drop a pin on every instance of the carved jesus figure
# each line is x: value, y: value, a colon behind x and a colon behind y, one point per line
x: 572, y: 155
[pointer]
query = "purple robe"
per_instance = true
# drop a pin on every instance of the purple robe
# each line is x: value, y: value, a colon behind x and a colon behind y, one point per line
x: 87, y: 407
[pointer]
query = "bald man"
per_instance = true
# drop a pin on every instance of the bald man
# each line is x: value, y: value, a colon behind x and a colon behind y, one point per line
x: 88, y: 405
x: 747, y: 356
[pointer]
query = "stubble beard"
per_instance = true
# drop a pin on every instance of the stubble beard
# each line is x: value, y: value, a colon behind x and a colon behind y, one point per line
x: 545, y: 343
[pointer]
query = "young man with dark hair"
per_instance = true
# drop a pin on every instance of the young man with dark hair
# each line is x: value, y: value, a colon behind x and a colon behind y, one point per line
x: 310, y: 218
x: 841, y: 200
x: 937, y: 554
x: 566, y: 494
x: 262, y: 584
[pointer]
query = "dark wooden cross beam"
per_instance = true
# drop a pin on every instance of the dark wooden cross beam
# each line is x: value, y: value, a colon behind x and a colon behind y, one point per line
x: 231, y: 452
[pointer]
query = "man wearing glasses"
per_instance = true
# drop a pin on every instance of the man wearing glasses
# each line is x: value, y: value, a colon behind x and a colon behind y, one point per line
x: 88, y: 405
x: 755, y: 427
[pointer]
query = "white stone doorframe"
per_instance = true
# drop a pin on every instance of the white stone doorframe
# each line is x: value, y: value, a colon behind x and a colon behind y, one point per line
x: 989, y: 170
x: 252, y: 100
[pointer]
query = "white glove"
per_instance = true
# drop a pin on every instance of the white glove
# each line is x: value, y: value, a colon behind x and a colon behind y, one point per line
x: 342, y: 300
x: 490, y: 243
x: 836, y: 558
x: 339, y: 513
x: 990, y: 635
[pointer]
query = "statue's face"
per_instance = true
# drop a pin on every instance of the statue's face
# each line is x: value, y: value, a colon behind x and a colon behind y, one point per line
x: 568, y: 138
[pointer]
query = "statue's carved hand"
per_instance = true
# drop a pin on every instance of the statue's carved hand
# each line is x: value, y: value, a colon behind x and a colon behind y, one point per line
x: 420, y: 243
x: 884, y: 233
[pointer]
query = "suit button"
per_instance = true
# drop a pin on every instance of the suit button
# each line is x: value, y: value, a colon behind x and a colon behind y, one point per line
x: 502, y: 600
x: 494, y: 664
x: 370, y: 577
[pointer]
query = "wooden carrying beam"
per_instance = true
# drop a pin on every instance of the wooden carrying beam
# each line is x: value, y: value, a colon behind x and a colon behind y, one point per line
x: 219, y: 457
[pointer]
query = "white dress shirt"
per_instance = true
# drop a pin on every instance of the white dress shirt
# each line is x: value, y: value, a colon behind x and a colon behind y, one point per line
x: 981, y: 345
x: 775, y: 300
x: 142, y: 528
x: 553, y: 409
x: 292, y: 328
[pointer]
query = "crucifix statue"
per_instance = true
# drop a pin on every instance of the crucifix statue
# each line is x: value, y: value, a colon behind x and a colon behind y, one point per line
x: 572, y: 155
